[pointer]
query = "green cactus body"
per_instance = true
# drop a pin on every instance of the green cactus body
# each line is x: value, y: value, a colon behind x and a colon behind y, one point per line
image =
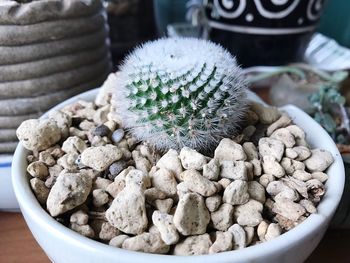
x: 180, y: 92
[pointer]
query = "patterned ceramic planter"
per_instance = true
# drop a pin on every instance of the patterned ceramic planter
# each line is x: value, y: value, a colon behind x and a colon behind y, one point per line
x: 259, y: 32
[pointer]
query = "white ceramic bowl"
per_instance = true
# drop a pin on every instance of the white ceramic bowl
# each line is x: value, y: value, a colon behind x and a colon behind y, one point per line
x: 64, y: 245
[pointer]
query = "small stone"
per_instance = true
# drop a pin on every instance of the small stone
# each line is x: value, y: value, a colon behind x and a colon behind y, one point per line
x: 265, y: 179
x: 234, y: 170
x: 38, y: 135
x: 69, y: 191
x: 182, y: 189
x: 211, y: 170
x: 100, y: 157
x: 271, y: 166
x: 285, y: 136
x: 115, y: 188
x: 191, y: 216
x: 308, y: 205
x: 79, y: 217
x: 54, y: 171
x: 47, y: 158
x: 118, y: 241
x: 191, y: 159
x: 213, y: 202
x: 38, y: 169
x: 250, y: 233
x: 273, y: 231
x: 128, y: 211
x: 101, y: 183
x: 193, y: 245
x: 171, y: 161
x: 40, y: 190
x: 141, y: 163
x: 302, y: 175
x: 84, y: 230
x: 322, y: 177
x: 222, y: 218
x: 224, y: 182
x: 116, y: 168
x: 165, y: 180
x: 271, y: 147
x: 153, y: 193
x: 69, y: 161
x: 138, y: 179
x: 146, y: 242
x: 302, y: 152
x: 239, y: 236
x: 166, y: 227
x: 101, y: 130
x: 250, y: 150
x: 198, y: 183
x: 229, y: 150
x: 288, y: 209
x: 319, y: 160
x: 99, y: 197
x: 108, y: 232
x: 117, y: 135
x: 223, y: 242
x: 257, y: 169
x: 290, y: 153
x: 236, y: 193
x: 267, y: 114
x: 256, y: 191
x: 261, y: 230
x: 164, y: 206
x: 73, y: 145
x: 290, y: 165
x: 249, y: 214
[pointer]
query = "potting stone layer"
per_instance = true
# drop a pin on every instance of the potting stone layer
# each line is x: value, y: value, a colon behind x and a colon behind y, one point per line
x: 250, y: 189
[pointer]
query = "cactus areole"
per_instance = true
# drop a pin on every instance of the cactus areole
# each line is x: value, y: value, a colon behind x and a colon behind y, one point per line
x: 179, y: 92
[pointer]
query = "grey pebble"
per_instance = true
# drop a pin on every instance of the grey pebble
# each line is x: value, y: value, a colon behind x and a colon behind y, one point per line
x: 117, y: 135
x: 101, y: 130
x: 116, y: 168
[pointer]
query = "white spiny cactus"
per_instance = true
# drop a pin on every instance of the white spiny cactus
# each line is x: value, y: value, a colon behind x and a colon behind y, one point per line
x: 180, y: 92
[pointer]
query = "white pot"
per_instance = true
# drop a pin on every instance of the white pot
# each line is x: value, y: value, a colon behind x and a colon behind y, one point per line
x: 64, y: 245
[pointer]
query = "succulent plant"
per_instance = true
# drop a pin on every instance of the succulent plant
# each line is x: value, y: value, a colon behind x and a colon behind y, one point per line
x: 179, y: 92
x: 331, y: 113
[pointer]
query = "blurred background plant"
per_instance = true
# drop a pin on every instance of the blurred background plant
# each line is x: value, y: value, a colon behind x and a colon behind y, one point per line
x: 330, y: 111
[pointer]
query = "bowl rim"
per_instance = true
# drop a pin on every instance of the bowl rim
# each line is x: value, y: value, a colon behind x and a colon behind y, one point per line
x: 31, y: 208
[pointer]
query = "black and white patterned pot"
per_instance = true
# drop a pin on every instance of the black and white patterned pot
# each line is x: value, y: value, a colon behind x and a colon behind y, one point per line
x: 263, y: 32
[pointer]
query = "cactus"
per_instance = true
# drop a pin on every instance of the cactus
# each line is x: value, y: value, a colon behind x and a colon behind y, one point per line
x: 179, y: 92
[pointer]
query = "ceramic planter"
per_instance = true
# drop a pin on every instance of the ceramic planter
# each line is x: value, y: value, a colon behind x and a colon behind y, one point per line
x: 264, y: 32
x: 50, y: 50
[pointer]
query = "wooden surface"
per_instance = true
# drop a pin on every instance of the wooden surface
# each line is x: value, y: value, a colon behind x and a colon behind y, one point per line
x: 18, y: 245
